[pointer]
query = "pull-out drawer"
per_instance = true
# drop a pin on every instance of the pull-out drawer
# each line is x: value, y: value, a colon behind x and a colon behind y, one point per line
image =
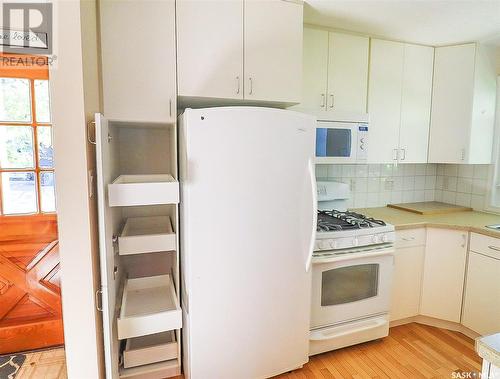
x: 130, y: 190
x: 410, y: 237
x: 149, y: 305
x: 486, y: 245
x: 165, y: 369
x: 147, y: 235
x: 150, y: 349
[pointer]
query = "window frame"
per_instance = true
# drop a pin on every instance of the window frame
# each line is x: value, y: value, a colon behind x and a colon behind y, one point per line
x: 32, y: 74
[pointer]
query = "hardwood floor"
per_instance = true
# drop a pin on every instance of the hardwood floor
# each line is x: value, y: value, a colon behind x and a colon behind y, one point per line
x: 410, y: 351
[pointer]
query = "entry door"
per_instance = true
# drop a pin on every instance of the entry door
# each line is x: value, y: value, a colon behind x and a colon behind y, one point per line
x: 30, y: 290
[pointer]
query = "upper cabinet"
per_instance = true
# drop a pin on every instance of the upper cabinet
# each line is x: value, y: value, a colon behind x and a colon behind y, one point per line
x: 335, y: 74
x: 399, y: 102
x: 138, y: 75
x: 463, y: 105
x: 239, y: 50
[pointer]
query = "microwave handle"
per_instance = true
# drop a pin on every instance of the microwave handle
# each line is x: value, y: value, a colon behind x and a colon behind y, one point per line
x: 314, y: 221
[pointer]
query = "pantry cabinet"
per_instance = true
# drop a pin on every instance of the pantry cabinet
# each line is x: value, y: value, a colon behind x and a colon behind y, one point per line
x: 138, y: 74
x: 463, y: 105
x: 444, y: 270
x: 138, y: 196
x: 408, y: 271
x: 239, y: 50
x: 482, y: 290
x: 335, y: 74
x: 399, y: 101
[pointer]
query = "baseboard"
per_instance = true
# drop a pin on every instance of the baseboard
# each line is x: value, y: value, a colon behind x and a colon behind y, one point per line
x: 431, y: 321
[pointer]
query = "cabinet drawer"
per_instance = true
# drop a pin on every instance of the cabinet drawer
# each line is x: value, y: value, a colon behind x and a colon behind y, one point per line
x: 489, y: 246
x: 146, y: 235
x: 410, y: 237
x: 150, y: 349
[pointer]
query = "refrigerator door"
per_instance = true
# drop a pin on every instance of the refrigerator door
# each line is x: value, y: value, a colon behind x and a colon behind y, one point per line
x: 248, y: 227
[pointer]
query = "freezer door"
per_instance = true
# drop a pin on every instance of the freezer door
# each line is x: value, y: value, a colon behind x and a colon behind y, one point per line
x: 248, y: 216
x: 108, y: 219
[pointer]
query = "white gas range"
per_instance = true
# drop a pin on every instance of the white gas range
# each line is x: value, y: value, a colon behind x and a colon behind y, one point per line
x: 352, y: 273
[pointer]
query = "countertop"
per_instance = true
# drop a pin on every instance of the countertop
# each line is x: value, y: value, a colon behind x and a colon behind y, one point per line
x: 488, y: 348
x: 468, y: 220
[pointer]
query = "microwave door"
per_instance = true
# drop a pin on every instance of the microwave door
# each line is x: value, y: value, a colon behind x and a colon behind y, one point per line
x: 335, y: 145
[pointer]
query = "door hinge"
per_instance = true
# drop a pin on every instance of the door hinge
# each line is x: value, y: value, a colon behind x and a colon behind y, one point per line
x: 98, y: 299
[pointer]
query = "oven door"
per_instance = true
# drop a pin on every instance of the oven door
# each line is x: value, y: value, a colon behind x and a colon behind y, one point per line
x: 336, y: 142
x: 351, y: 286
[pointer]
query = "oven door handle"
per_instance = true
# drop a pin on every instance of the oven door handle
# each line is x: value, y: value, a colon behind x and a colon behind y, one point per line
x: 351, y: 256
x: 322, y: 335
x: 314, y: 221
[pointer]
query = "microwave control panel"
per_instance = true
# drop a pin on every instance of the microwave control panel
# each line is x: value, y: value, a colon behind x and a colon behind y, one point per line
x: 362, y: 153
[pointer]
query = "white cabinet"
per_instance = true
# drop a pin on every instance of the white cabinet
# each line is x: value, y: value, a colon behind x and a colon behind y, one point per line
x: 482, y: 290
x: 408, y: 269
x: 138, y: 74
x: 335, y: 74
x: 239, y: 50
x: 399, y: 100
x: 444, y: 270
x: 463, y: 105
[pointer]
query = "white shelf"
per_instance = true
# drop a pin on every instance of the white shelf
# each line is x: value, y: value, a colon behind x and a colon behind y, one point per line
x: 153, y: 371
x: 150, y: 349
x: 130, y: 190
x: 149, y: 305
x: 147, y: 235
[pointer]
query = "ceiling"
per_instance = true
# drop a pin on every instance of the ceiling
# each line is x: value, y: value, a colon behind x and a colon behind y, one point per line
x: 429, y: 22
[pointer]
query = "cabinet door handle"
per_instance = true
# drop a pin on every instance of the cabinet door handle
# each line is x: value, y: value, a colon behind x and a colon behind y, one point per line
x: 170, y: 107
x: 462, y: 154
x: 494, y: 248
x: 237, y: 85
x: 395, y: 154
x: 464, y: 238
x: 251, y: 86
x: 323, y: 100
x: 404, y: 154
x: 91, y: 141
x: 331, y: 101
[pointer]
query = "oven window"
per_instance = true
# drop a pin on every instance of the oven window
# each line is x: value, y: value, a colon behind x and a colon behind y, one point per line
x: 333, y: 142
x: 348, y: 284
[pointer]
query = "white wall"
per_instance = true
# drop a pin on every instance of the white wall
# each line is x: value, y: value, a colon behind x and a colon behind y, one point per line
x: 78, y: 252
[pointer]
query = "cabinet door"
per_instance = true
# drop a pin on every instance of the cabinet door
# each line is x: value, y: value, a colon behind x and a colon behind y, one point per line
x: 408, y: 267
x: 273, y: 50
x: 384, y: 100
x: 444, y: 270
x: 210, y: 48
x: 139, y: 77
x: 416, y: 103
x: 315, y: 70
x: 482, y: 294
x: 453, y: 86
x: 347, y: 73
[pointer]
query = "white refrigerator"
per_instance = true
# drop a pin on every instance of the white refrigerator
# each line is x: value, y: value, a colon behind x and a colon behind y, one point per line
x: 248, y: 222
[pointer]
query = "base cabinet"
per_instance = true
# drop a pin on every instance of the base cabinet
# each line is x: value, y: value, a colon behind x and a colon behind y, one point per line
x: 444, y: 270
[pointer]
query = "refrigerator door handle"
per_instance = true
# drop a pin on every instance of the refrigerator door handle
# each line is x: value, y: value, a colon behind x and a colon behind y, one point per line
x: 314, y: 221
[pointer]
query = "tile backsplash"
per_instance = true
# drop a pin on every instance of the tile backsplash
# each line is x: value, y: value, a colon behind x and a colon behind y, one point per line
x: 376, y: 185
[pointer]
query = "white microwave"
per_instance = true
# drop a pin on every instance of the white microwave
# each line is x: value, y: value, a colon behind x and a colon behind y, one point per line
x: 341, y: 142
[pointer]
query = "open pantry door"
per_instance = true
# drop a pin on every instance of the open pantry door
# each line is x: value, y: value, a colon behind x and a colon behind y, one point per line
x: 107, y: 220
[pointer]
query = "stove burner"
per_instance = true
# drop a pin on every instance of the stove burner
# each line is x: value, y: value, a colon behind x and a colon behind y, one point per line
x: 336, y: 220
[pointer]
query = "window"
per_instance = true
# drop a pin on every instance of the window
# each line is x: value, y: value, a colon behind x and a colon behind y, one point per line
x: 26, y: 153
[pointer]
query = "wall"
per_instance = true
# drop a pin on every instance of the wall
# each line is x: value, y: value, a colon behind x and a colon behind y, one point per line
x: 377, y: 185
x: 78, y: 254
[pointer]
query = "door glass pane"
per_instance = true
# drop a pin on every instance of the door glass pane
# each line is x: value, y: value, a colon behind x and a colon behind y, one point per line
x: 338, y: 143
x: 45, y: 150
x: 16, y: 147
x: 42, y: 101
x: 15, y: 101
x: 348, y: 284
x: 47, y: 193
x: 19, y: 192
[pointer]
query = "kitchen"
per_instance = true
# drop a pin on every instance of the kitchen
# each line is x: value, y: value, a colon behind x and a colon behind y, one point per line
x: 279, y: 188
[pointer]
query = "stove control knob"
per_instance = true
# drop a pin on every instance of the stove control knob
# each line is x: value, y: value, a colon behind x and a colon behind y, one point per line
x: 375, y: 239
x: 384, y: 238
x: 333, y: 244
x: 355, y: 242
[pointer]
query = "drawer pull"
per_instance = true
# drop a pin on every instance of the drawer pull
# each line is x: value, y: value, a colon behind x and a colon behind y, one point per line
x: 494, y: 248
x: 408, y: 238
